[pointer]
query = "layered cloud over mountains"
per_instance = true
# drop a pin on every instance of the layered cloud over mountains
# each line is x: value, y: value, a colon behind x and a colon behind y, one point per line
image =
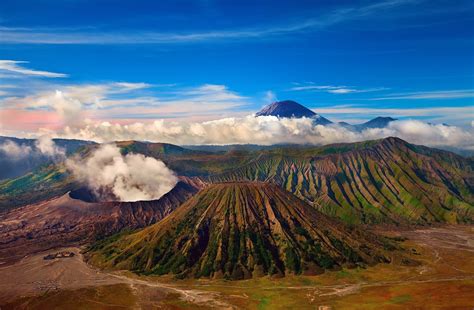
x: 44, y: 146
x: 14, y: 151
x: 269, y: 129
x: 207, y: 114
x: 195, y: 116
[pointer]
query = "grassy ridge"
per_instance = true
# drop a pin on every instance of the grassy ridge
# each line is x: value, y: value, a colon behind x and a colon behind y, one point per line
x: 44, y: 183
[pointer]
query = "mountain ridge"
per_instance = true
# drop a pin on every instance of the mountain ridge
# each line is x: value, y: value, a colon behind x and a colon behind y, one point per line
x: 379, y: 181
x: 386, y: 180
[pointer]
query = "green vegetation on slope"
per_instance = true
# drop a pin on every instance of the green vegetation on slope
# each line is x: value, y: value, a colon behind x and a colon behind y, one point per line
x: 386, y: 181
x: 241, y: 230
x: 44, y: 183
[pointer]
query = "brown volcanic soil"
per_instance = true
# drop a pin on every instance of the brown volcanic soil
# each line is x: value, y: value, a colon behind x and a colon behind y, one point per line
x: 64, y: 221
x: 445, y: 280
x: 33, y: 275
x: 90, y: 288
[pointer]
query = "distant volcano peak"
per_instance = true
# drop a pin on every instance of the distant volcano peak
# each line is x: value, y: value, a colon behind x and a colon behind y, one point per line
x: 286, y: 108
x: 290, y: 109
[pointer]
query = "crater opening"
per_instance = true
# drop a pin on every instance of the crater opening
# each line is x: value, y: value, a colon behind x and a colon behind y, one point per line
x: 84, y: 194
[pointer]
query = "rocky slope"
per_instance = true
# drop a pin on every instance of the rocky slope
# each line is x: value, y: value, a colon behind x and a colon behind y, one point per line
x: 241, y: 230
x: 385, y: 181
x: 65, y: 221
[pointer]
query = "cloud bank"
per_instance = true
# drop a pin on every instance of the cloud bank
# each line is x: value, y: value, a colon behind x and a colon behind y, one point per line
x: 112, y: 111
x: 131, y: 177
x: 46, y: 146
x: 118, y: 101
x: 43, y: 146
x: 14, y: 151
x: 267, y: 130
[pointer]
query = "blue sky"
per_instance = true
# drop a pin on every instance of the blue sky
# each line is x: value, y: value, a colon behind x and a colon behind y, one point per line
x: 347, y: 60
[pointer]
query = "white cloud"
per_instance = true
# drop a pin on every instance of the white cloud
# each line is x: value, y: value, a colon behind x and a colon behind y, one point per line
x: 210, y: 93
x: 47, y: 147
x: 63, y: 36
x: 3, y: 92
x: 438, y: 94
x: 68, y: 107
x: 130, y: 177
x: 426, y: 134
x: 355, y: 109
x: 333, y: 89
x: 14, y: 151
x: 13, y: 66
x: 71, y: 103
x: 267, y: 130
x: 125, y: 87
x: 341, y: 91
x: 270, y: 97
x: 462, y: 115
x: 44, y: 146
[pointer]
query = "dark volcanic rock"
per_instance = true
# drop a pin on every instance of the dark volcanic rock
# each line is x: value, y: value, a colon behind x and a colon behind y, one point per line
x: 66, y: 221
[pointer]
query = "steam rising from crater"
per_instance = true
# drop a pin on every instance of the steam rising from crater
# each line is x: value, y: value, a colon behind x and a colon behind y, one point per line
x: 131, y: 177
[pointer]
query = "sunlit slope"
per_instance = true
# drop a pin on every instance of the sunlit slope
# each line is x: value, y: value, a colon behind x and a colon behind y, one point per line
x: 388, y: 180
x: 240, y: 230
x: 44, y: 183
